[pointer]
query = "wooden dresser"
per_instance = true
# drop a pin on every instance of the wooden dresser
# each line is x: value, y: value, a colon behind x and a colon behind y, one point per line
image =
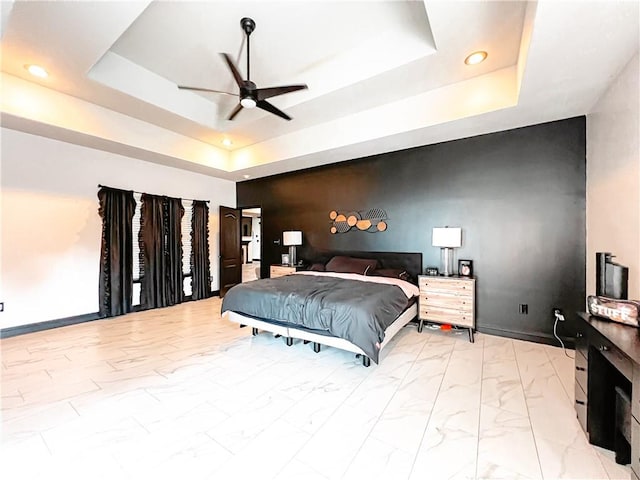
x: 282, y: 270
x: 448, y: 300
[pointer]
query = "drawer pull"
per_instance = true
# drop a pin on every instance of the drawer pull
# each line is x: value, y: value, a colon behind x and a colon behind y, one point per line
x: 582, y: 369
x: 580, y: 402
x: 603, y: 348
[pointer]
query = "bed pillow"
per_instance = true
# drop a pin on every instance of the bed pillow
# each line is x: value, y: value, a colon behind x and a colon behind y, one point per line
x: 317, y: 267
x: 391, y: 273
x: 342, y: 264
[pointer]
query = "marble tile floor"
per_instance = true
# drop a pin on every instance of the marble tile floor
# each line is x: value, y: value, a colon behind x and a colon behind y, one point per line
x: 178, y: 393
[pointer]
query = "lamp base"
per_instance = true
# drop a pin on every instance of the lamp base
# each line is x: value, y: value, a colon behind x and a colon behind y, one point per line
x: 292, y: 255
x: 447, y: 261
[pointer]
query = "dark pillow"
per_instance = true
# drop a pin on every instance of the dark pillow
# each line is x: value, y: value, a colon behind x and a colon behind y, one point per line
x: 391, y: 273
x: 351, y: 265
x: 317, y: 267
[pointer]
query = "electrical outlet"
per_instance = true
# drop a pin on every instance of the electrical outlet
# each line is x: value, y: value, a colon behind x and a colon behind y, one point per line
x: 523, y: 309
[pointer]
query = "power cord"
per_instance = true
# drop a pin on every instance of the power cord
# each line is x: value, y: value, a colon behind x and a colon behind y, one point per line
x: 559, y: 317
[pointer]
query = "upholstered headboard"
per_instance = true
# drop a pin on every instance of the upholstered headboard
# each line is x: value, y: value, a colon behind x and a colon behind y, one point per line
x: 411, y: 262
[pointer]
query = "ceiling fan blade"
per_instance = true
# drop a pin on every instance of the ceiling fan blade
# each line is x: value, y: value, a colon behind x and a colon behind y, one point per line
x: 235, y: 112
x: 264, y: 93
x: 244, y: 39
x: 199, y: 89
x: 234, y: 70
x: 264, y: 105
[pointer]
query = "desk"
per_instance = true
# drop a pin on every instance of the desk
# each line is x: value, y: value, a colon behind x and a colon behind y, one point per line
x: 607, y: 356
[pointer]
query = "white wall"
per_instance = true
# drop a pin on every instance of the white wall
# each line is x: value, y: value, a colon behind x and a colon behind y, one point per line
x: 51, y: 228
x: 255, y: 243
x: 613, y: 177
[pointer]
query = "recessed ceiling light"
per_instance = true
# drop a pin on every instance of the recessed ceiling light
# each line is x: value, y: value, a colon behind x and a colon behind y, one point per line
x: 37, y: 71
x: 475, y: 58
x: 245, y: 176
x: 227, y: 142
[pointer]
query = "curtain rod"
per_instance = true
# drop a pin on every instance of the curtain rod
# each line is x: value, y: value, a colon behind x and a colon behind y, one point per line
x: 142, y: 193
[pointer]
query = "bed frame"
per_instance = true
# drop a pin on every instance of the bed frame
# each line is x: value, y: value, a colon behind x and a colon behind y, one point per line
x: 411, y: 262
x: 291, y: 333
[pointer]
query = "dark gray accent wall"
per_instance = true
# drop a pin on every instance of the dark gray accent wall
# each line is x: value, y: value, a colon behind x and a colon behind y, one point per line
x: 519, y: 196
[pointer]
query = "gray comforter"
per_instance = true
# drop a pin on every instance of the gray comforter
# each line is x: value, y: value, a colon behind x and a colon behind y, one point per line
x: 350, y: 309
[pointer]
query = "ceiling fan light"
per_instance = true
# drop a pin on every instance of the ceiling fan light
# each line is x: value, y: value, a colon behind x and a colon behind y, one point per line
x: 248, y: 102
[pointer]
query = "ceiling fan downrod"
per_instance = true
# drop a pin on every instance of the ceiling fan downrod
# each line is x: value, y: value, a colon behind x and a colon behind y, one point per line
x: 248, y: 25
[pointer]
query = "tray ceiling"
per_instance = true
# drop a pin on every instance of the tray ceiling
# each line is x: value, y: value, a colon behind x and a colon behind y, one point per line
x: 382, y: 76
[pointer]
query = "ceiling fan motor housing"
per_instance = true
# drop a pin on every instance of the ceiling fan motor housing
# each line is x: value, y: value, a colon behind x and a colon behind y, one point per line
x: 248, y: 25
x: 247, y: 94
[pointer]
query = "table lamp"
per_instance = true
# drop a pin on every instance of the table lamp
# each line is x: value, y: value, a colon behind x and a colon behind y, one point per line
x: 291, y: 239
x: 447, y: 239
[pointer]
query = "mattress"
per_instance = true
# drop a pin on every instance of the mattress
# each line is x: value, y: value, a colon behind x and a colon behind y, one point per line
x: 353, y: 307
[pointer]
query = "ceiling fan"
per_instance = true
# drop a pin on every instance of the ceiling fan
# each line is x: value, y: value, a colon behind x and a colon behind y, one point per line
x: 250, y: 95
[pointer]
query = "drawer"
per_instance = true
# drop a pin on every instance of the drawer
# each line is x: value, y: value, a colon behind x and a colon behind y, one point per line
x: 635, y: 447
x: 582, y: 342
x: 463, y: 319
x: 453, y: 287
x: 612, y: 354
x: 280, y: 271
x: 448, y: 302
x: 581, y: 406
x: 581, y: 370
x: 445, y: 311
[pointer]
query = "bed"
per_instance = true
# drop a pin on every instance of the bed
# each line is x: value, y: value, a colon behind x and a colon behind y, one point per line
x: 358, y: 304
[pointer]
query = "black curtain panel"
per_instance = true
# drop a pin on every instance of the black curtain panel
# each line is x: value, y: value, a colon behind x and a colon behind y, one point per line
x: 200, y: 271
x: 173, y: 212
x: 152, y: 282
x: 116, y: 208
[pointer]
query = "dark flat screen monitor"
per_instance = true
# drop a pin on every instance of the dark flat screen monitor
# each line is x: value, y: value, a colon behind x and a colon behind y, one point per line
x: 612, y: 279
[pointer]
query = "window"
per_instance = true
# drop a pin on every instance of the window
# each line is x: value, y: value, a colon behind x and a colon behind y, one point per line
x: 137, y: 264
x: 186, y: 246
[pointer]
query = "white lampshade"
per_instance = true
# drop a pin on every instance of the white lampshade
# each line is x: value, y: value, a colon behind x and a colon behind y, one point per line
x: 447, y: 237
x: 291, y: 238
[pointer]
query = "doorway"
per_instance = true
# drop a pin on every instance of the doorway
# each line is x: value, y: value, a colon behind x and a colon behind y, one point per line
x: 251, y: 241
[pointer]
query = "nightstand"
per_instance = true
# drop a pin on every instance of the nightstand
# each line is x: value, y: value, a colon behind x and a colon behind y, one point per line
x: 449, y: 300
x: 282, y: 270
